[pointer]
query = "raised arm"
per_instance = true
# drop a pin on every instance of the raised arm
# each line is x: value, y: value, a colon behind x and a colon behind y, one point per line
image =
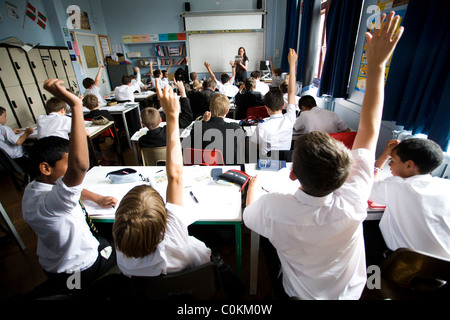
x: 271, y: 66
x: 78, y: 163
x: 233, y: 70
x: 174, y: 163
x: 207, y: 65
x: 380, y: 46
x: 292, y: 58
x: 98, y: 77
x: 185, y: 117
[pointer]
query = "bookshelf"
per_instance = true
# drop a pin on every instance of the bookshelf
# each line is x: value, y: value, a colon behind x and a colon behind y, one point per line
x: 160, y: 52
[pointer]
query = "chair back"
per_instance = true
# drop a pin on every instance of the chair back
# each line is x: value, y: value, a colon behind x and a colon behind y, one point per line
x: 346, y: 137
x: 409, y: 273
x: 199, y: 283
x: 207, y: 157
x: 257, y: 112
x: 151, y: 156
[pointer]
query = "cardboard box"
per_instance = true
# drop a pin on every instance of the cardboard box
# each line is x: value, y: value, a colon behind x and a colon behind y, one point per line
x: 136, y: 54
x: 126, y: 39
x: 143, y: 63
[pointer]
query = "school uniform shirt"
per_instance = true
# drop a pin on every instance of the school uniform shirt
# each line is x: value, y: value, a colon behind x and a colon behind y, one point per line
x: 318, y: 119
x: 275, y: 133
x: 96, y: 91
x: 262, y: 87
x: 154, y: 138
x: 137, y: 85
x: 417, y: 213
x: 65, y: 242
x: 285, y: 98
x: 246, y: 100
x: 8, y: 141
x: 162, y: 84
x: 228, y: 89
x: 54, y: 125
x: 124, y: 92
x: 176, y: 252
x: 319, y: 240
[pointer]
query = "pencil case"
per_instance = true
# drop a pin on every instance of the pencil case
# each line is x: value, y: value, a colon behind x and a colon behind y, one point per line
x: 235, y: 176
x: 125, y: 175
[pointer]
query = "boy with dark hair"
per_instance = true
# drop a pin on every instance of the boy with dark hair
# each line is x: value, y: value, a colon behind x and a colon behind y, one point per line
x: 156, y: 135
x: 51, y: 204
x: 275, y: 133
x: 125, y: 92
x: 313, y: 118
x: 317, y: 232
x: 226, y: 84
x: 260, y: 86
x: 93, y: 86
x: 417, y: 213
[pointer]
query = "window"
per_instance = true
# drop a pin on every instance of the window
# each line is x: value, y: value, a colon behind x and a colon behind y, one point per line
x: 322, y: 46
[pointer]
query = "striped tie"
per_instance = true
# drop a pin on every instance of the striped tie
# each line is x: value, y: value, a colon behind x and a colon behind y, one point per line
x: 88, y: 219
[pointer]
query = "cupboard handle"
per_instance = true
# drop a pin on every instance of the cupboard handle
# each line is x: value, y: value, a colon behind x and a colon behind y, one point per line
x: 33, y: 65
x: 14, y: 104
x: 54, y: 63
x: 17, y: 66
x: 30, y: 100
x: 45, y: 98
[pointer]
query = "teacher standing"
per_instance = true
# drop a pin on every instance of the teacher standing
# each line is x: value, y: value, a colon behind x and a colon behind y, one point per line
x: 241, y: 66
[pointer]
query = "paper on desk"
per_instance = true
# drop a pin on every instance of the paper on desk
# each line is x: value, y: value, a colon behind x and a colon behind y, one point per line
x: 278, y: 181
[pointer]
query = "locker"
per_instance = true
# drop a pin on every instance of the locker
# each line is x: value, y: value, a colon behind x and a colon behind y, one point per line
x: 7, y: 72
x: 10, y: 118
x: 37, y: 65
x: 48, y: 64
x: 67, y: 63
x: 57, y: 63
x: 34, y: 99
x: 20, y: 63
x: 20, y: 105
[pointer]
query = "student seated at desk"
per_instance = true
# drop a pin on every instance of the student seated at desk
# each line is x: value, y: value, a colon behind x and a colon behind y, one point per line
x: 125, y: 92
x: 276, y: 75
x: 93, y: 86
x: 214, y: 133
x: 247, y: 97
x: 90, y: 101
x: 260, y: 86
x: 313, y: 118
x: 417, y: 213
x: 151, y: 236
x: 275, y: 133
x: 156, y: 135
x: 67, y: 242
x: 315, y: 244
x: 200, y: 98
x: 11, y: 141
x: 56, y: 123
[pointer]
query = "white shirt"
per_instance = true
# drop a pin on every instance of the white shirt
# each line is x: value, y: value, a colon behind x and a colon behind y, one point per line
x: 162, y: 83
x: 65, y: 242
x: 319, y: 240
x: 96, y: 91
x: 318, y: 119
x: 54, y: 125
x: 8, y: 141
x: 297, y: 98
x: 275, y: 133
x: 124, y: 92
x: 417, y: 213
x: 262, y: 87
x: 228, y: 89
x: 137, y: 85
x: 176, y: 252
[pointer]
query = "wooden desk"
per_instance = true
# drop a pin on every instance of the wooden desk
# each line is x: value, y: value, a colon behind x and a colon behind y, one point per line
x: 96, y: 130
x: 217, y: 203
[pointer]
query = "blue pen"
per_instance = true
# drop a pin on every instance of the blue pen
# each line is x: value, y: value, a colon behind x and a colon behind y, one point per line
x: 193, y: 196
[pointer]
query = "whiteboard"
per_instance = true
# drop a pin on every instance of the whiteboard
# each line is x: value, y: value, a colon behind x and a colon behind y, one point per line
x: 219, y: 48
x: 224, y: 22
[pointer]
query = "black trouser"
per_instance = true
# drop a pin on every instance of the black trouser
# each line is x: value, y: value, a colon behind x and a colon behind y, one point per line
x: 274, y: 268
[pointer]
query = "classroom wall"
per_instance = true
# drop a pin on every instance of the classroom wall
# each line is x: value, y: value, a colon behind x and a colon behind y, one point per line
x: 149, y: 17
x: 24, y: 28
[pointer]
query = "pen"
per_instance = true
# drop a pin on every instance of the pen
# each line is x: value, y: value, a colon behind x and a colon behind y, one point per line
x: 193, y: 196
x: 265, y: 190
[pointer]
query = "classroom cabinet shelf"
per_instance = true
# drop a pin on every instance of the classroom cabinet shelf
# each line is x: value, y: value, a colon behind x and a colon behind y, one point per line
x: 160, y: 52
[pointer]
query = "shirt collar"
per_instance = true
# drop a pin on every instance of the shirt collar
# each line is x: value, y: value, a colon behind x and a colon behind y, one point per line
x: 305, y: 198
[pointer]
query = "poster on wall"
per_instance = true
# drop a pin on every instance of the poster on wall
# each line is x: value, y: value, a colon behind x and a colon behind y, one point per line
x: 362, y: 74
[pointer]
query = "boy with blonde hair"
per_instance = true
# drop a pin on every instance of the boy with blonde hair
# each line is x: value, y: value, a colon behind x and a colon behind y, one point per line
x: 90, y: 101
x: 156, y: 135
x: 317, y: 232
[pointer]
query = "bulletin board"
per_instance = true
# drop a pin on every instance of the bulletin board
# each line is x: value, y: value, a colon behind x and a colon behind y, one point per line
x: 219, y: 47
x: 104, y: 43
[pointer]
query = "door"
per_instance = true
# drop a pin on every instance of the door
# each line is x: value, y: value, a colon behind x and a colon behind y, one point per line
x: 91, y: 57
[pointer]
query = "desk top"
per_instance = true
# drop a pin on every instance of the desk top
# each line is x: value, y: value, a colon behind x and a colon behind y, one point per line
x: 118, y: 108
x: 93, y: 129
x: 216, y: 201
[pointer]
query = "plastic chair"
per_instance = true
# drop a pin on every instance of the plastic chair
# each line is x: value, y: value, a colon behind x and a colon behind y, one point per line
x: 199, y: 283
x: 346, y: 137
x: 409, y: 274
x: 260, y: 111
x: 152, y: 156
x: 203, y: 157
x: 12, y: 168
